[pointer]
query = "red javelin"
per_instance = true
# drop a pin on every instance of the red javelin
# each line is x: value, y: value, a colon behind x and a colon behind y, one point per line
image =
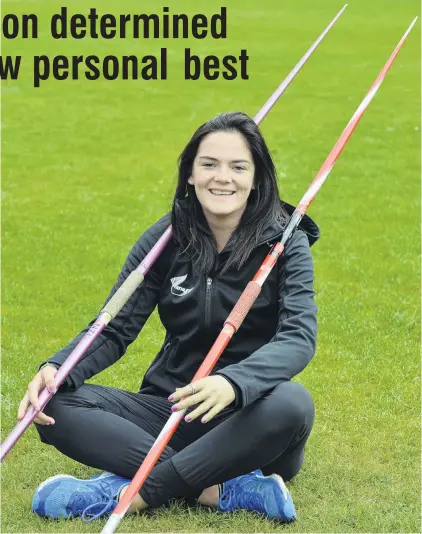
x: 247, y: 299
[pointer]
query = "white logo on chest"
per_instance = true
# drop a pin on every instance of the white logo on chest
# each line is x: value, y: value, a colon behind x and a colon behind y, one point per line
x: 176, y: 288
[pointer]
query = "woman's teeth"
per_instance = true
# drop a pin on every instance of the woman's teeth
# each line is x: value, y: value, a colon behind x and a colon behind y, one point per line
x: 221, y: 193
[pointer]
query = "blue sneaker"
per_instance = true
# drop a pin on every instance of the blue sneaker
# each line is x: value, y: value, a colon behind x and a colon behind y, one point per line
x: 66, y: 496
x: 255, y: 492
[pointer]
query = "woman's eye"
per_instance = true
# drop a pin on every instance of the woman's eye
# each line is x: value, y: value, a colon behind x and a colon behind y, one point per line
x: 239, y: 168
x: 208, y: 165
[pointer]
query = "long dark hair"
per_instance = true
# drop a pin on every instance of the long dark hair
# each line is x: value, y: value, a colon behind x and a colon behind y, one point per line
x: 190, y: 227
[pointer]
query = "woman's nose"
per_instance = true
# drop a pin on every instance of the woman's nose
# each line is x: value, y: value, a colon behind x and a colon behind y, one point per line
x: 223, y: 176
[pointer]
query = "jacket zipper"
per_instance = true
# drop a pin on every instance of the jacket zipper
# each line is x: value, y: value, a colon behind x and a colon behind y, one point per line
x: 208, y: 303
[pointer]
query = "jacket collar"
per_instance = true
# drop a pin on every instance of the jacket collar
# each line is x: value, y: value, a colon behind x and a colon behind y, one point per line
x: 308, y: 226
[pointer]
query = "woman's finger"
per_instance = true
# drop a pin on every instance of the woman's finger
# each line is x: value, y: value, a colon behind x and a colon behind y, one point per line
x: 23, y: 406
x: 33, y: 396
x: 212, y: 413
x: 48, y: 374
x: 43, y: 419
x: 202, y: 408
x: 190, y: 401
x: 184, y: 392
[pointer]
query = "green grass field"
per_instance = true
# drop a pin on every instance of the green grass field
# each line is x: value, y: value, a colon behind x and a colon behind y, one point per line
x: 89, y: 165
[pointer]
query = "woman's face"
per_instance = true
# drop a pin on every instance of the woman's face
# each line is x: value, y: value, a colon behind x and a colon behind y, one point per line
x: 223, y: 174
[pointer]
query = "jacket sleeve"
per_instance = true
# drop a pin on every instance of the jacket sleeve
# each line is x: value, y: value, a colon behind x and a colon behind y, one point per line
x: 113, y: 341
x: 294, y: 342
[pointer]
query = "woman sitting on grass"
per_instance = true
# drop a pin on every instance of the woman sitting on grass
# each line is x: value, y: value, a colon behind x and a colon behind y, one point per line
x: 247, y: 424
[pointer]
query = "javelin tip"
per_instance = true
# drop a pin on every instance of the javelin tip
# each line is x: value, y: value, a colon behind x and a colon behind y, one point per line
x: 409, y: 28
x: 342, y: 10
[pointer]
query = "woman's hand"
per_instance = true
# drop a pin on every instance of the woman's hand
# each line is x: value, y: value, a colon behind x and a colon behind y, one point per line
x: 213, y: 394
x: 44, y: 378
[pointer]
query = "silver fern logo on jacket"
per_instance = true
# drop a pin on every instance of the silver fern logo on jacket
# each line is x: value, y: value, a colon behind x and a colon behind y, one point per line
x: 177, y: 289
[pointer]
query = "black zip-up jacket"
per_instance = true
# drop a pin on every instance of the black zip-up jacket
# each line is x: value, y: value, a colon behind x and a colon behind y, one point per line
x: 275, y: 342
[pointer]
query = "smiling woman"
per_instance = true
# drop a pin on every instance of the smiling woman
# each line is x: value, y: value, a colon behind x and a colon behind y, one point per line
x: 226, y: 212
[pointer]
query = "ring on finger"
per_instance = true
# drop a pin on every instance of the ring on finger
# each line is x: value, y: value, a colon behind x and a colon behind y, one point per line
x: 193, y: 389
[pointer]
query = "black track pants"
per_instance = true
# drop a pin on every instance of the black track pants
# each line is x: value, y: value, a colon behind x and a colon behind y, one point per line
x: 113, y: 430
